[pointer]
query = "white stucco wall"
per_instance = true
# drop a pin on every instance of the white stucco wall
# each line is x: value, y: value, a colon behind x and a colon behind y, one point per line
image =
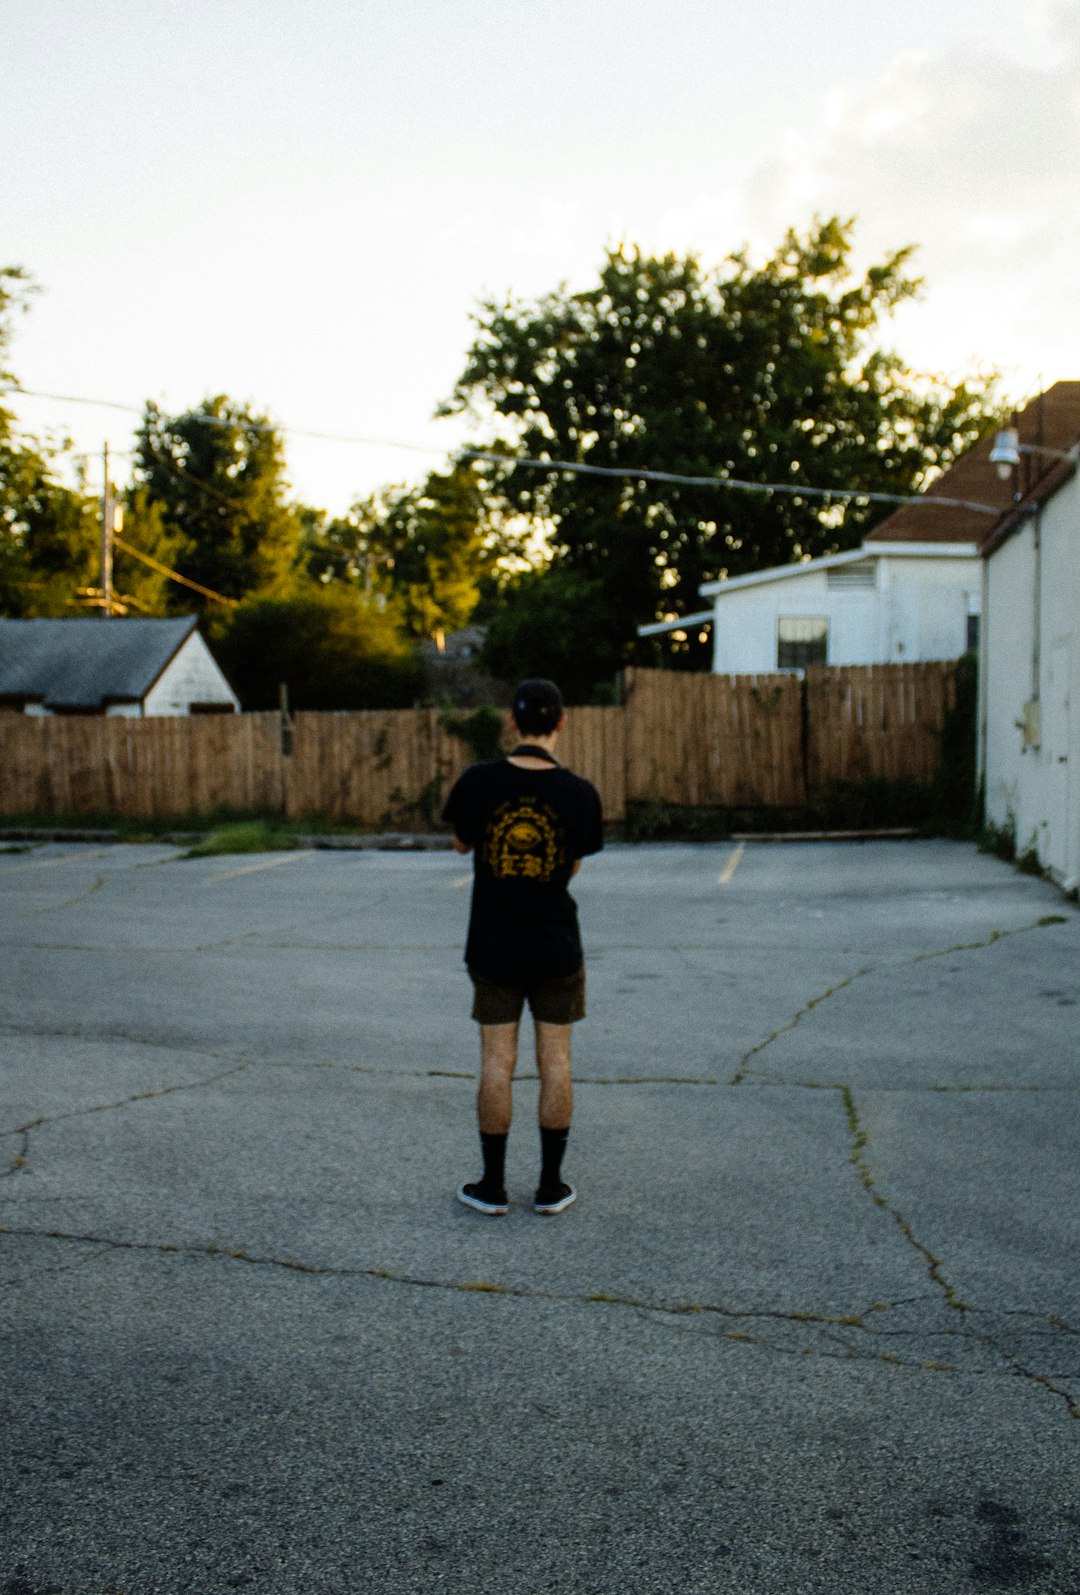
x: 1031, y: 655
x: 192, y: 677
x: 918, y: 610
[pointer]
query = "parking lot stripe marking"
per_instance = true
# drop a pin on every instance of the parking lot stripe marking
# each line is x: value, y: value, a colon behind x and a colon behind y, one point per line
x: 251, y: 869
x: 732, y: 864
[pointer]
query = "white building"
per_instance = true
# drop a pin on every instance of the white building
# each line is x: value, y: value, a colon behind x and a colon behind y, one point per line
x: 878, y: 604
x: 114, y: 666
x: 1030, y: 671
x: 913, y: 591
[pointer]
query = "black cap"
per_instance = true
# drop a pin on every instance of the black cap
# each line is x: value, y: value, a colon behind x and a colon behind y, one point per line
x: 538, y: 707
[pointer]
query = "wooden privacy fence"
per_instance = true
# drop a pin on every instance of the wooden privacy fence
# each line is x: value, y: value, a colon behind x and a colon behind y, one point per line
x: 696, y: 740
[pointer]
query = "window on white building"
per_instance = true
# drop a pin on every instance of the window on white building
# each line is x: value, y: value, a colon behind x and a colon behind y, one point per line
x: 801, y: 640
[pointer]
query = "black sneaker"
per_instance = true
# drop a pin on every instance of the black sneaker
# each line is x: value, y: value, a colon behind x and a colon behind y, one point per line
x: 554, y: 1201
x: 483, y: 1199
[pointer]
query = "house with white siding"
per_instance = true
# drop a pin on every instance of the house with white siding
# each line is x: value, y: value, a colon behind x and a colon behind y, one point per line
x: 110, y: 666
x: 911, y: 591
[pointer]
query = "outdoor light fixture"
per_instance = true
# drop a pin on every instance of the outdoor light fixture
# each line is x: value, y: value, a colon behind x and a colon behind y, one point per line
x: 1005, y: 453
x: 1008, y: 448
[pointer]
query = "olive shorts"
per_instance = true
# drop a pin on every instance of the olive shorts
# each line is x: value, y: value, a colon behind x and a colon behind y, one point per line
x: 552, y: 1002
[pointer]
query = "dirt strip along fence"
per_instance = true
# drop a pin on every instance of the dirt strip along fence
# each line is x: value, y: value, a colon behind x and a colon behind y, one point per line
x: 769, y: 742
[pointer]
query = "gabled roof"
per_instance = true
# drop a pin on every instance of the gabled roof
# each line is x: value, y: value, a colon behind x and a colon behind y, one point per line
x: 1052, y: 419
x: 87, y: 662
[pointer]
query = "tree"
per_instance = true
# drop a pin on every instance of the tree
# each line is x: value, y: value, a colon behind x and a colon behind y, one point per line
x: 219, y: 476
x: 769, y: 373
x: 554, y: 623
x: 48, y: 532
x: 331, y: 647
x: 428, y: 548
x: 49, y: 535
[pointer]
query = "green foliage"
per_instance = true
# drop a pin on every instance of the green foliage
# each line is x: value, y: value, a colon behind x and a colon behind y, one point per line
x: 218, y: 475
x: 429, y: 548
x: 481, y: 730
x: 1028, y: 862
x: 49, y: 535
x: 48, y: 532
x: 557, y: 623
x: 332, y: 648
x: 1000, y: 840
x: 247, y: 836
x: 768, y: 373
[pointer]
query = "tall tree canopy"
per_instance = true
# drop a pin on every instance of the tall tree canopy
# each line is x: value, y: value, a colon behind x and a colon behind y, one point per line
x: 767, y: 373
x: 218, y: 474
x: 48, y: 531
x: 429, y: 549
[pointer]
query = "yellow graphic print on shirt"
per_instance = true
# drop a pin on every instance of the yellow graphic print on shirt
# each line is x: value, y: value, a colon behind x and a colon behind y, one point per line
x: 523, y: 843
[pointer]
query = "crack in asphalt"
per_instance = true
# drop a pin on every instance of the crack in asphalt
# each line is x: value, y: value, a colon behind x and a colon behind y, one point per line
x: 54, y: 908
x: 858, y: 1160
x: 43, y: 1120
x: 845, y: 1337
x: 934, y: 1265
x: 835, y: 1331
x: 874, y: 969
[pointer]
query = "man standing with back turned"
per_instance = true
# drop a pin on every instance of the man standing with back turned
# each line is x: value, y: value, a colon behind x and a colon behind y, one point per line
x: 528, y: 822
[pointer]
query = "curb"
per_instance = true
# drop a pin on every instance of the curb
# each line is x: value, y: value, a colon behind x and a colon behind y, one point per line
x: 897, y: 834
x: 385, y: 842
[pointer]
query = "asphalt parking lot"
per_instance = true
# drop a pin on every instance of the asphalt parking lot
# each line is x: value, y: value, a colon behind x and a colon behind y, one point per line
x: 813, y: 1325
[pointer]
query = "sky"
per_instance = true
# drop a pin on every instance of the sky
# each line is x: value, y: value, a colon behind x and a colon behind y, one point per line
x: 300, y: 203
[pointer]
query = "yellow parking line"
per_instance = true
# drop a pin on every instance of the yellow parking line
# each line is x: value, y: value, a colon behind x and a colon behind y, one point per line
x: 732, y: 864
x: 251, y: 869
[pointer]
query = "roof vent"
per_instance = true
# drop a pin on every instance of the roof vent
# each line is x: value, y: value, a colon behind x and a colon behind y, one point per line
x: 850, y: 578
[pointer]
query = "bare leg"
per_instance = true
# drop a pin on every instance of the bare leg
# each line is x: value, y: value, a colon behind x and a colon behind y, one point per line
x: 498, y: 1059
x: 553, y: 1066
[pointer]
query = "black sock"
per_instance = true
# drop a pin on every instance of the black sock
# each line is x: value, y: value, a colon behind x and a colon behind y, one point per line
x: 494, y: 1150
x: 552, y: 1147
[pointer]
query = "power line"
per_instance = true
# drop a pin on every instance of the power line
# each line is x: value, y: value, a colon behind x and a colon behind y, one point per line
x: 218, y: 420
x: 573, y: 467
x: 173, y: 575
x: 802, y: 491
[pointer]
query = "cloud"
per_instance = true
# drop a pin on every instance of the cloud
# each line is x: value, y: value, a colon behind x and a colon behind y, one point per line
x: 970, y: 154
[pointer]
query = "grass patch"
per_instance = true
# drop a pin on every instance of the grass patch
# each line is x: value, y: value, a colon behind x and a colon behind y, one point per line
x: 249, y: 836
x: 125, y: 829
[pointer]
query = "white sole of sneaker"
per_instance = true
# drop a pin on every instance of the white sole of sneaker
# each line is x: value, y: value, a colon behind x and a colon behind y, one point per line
x: 556, y: 1207
x: 492, y: 1209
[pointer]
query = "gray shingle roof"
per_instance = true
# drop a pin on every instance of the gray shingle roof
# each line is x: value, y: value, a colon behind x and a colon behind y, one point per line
x: 88, y: 662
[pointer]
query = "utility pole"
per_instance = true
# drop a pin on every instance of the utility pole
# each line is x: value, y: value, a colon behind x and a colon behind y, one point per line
x: 108, y: 526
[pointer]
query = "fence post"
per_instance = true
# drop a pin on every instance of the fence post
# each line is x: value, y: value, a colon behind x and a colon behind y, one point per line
x: 286, y: 734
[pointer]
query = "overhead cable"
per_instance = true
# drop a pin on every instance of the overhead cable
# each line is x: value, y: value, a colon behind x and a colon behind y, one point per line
x: 574, y: 467
x: 220, y: 420
x: 173, y: 575
x: 845, y: 493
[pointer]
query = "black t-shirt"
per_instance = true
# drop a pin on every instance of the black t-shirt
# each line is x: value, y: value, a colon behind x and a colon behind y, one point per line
x: 526, y: 829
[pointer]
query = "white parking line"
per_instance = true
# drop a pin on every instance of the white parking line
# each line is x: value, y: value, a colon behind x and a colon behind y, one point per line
x: 252, y: 869
x: 732, y: 864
